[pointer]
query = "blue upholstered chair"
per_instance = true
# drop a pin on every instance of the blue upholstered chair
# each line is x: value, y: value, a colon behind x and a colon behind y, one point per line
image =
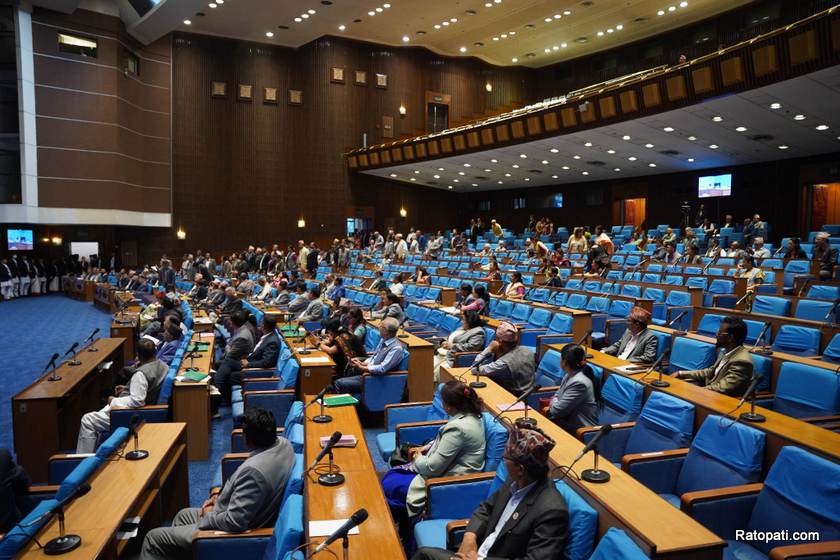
x: 804, y: 391
x: 793, y: 339
x: 558, y: 331
x: 812, y: 310
x: 430, y: 413
x: 689, y: 354
x: 771, y: 305
x: 616, y: 545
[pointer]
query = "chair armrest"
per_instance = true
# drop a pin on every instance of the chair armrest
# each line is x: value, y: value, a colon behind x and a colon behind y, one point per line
x: 827, y: 549
x: 42, y: 489
x: 417, y: 432
x: 405, y: 412
x: 454, y: 497
x: 463, y: 359
x: 247, y: 380
x: 722, y: 510
x: 830, y: 419
x: 584, y: 434
x: 218, y: 545
x: 658, y: 470
x: 454, y: 533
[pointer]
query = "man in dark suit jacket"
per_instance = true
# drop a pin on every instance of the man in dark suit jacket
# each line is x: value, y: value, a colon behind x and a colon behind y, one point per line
x: 239, y: 350
x: 525, y: 518
x: 166, y: 276
x: 637, y: 344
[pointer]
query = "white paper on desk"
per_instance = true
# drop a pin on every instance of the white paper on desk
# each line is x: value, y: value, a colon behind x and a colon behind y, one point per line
x: 105, y: 366
x: 202, y: 320
x: 632, y: 368
x: 512, y: 407
x: 328, y: 527
x: 449, y: 309
x: 315, y: 360
x: 128, y: 529
x: 206, y: 335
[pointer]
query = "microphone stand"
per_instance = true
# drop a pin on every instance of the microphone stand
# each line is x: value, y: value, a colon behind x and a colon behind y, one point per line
x: 345, y: 547
x: 751, y: 416
x: 595, y: 475
x: 322, y: 418
x: 92, y: 347
x: 137, y: 454
x: 74, y: 362
x: 331, y: 478
x: 63, y: 542
x: 762, y: 351
x: 477, y: 384
x: 679, y: 331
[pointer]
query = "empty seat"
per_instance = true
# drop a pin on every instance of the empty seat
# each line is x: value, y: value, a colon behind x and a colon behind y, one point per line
x: 709, y: 324
x: 688, y: 354
x: 802, y: 341
x: 770, y: 305
x: 804, y: 391
x: 819, y: 291
x: 616, y: 545
x: 812, y: 310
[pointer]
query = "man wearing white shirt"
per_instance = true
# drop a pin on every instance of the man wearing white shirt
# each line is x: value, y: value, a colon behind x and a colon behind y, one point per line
x: 759, y: 250
x: 637, y: 344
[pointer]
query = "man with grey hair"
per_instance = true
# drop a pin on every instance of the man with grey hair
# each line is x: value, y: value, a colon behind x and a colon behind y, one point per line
x: 825, y: 254
x: 386, y: 357
x: 759, y: 250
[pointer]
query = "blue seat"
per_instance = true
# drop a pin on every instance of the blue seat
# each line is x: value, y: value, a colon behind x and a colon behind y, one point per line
x: 381, y: 390
x: 622, y: 400
x: 631, y: 290
x: 831, y: 353
x: 771, y: 305
x: 558, y: 331
x: 722, y: 454
x: 720, y: 287
x: 656, y: 294
x: 611, y: 327
x: 576, y: 301
x: 405, y: 413
x: 616, y: 545
x: 688, y: 354
x: 799, y: 494
x: 709, y: 324
x: 549, y: 373
x: 792, y: 270
x: 812, y: 310
x: 503, y: 309
x: 804, y: 391
x: 802, y: 341
x: 663, y: 314
x: 821, y: 291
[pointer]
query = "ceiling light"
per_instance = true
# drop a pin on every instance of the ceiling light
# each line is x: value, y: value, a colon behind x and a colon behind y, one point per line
x: 625, y: 137
x: 717, y: 119
x: 437, y: 26
x: 672, y: 8
x: 304, y: 16
x: 503, y: 35
x: 600, y: 34
x: 417, y: 172
x: 822, y: 127
x: 584, y: 172
x: 547, y: 50
x: 378, y: 10
x: 445, y: 23
x: 515, y: 166
x: 668, y: 129
x: 566, y: 167
x: 440, y: 168
x: 341, y: 28
x: 651, y: 165
x: 460, y: 173
x: 187, y: 22
x: 554, y: 150
x: 456, y: 180
x: 692, y: 138
x: 406, y: 38
x: 371, y: 13
x: 494, y: 160
x: 741, y: 129
x: 610, y: 151
x: 311, y: 12
x: 269, y: 34
x: 588, y: 144
x: 648, y: 145
x: 449, y: 187
x: 463, y: 49
x: 495, y: 38
x: 610, y: 30
x: 576, y: 156
x: 775, y: 106
x: 501, y: 182
x: 617, y: 169
x: 713, y: 146
x: 619, y: 27
x: 783, y: 147
x: 523, y: 156
x: 467, y: 165
x: 507, y: 174
x: 563, y: 45
x: 567, y: 12
x: 555, y: 176
x: 453, y: 20
x: 632, y: 158
x: 683, y: 4
x: 298, y: 20
x: 544, y: 162
x: 514, y: 60
x: 436, y: 176
x: 393, y: 174
x: 212, y: 4
x: 386, y: 6
x: 691, y: 160
x: 547, y: 20
x: 412, y: 179
x: 556, y: 48
x: 660, y: 13
x: 557, y: 16
x: 475, y: 184
x: 526, y: 179
x: 488, y: 170
x: 511, y: 33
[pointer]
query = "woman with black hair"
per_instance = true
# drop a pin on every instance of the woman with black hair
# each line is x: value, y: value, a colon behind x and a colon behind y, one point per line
x: 578, y: 399
x: 468, y: 338
x: 480, y: 301
x: 465, y: 296
x: 794, y: 249
x: 457, y: 449
x: 341, y: 345
x: 516, y: 288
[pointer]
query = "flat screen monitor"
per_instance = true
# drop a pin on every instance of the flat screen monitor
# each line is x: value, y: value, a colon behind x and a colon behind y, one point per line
x: 20, y: 240
x: 714, y: 185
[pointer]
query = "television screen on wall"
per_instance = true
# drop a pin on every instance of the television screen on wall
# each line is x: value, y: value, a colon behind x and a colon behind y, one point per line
x: 19, y: 240
x: 714, y: 185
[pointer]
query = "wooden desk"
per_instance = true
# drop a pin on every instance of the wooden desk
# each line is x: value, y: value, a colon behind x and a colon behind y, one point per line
x: 127, y: 326
x: 153, y: 489
x: 191, y: 401
x: 315, y: 372
x: 662, y: 530
x: 103, y: 297
x: 421, y: 382
x: 201, y: 321
x: 780, y: 430
x: 377, y: 536
x: 47, y: 414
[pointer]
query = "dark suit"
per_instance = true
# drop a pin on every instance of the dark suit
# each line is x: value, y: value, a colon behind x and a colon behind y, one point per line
x: 166, y: 278
x: 229, y: 372
x: 644, y: 352
x: 537, y: 529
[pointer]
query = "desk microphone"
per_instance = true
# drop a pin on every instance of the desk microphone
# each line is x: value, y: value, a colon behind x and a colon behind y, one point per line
x: 656, y: 364
x: 831, y: 311
x: 93, y: 334
x: 359, y: 517
x: 523, y: 421
x: 329, y: 478
x: 594, y: 474
x: 321, y: 418
x: 759, y: 338
x: 679, y: 331
x: 751, y: 416
x: 74, y: 361
x: 63, y: 542
x: 51, y: 364
x: 137, y: 454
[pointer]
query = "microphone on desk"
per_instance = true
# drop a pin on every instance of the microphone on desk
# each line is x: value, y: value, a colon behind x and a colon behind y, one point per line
x: 656, y: 364
x: 748, y: 297
x: 582, y: 342
x: 359, y: 517
x: 832, y: 310
x: 594, y: 474
x: 321, y: 418
x: 605, y: 429
x: 137, y: 454
x: 523, y: 421
x: 751, y: 416
x: 90, y: 337
x: 638, y: 264
x: 676, y: 319
x: 63, y: 542
x: 759, y: 338
x: 51, y: 364
x: 329, y: 478
x: 73, y: 362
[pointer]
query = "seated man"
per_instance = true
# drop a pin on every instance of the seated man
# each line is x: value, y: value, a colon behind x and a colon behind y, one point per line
x: 264, y: 355
x: 282, y: 298
x: 250, y: 498
x: 239, y: 346
x: 506, y: 362
x: 171, y: 343
x: 637, y: 344
x: 143, y: 387
x: 390, y: 308
x: 733, y: 370
x: 825, y: 255
x: 231, y: 303
x: 525, y: 518
x: 199, y: 289
x: 314, y: 308
x: 300, y: 302
x: 386, y: 357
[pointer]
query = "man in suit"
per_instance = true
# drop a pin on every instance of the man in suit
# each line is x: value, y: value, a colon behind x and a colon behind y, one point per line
x: 826, y: 255
x: 733, y: 369
x: 264, y: 355
x: 250, y: 498
x: 166, y: 276
x: 231, y: 303
x: 525, y: 518
x: 637, y: 344
x: 6, y: 280
x: 314, y: 308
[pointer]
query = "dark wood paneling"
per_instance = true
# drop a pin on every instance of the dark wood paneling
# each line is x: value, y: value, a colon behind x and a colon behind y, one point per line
x: 99, y: 194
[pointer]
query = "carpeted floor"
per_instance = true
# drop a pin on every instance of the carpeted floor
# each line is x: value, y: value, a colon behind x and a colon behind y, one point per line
x: 33, y: 328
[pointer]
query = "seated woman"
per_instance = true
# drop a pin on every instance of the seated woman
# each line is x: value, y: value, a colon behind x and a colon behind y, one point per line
x: 465, y: 296
x: 422, y: 276
x: 457, y: 449
x: 390, y: 307
x: 468, y: 338
x: 516, y: 289
x: 748, y: 270
x: 578, y: 399
x: 506, y: 362
x: 480, y: 301
x: 341, y: 345
x: 357, y: 325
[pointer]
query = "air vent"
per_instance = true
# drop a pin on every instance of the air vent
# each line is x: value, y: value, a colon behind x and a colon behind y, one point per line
x: 480, y: 178
x: 478, y: 44
x: 761, y: 137
x: 283, y: 27
x: 530, y: 26
x: 596, y: 163
x: 639, y: 19
x: 669, y: 153
x: 535, y: 171
x: 530, y: 55
x: 587, y: 3
x: 470, y: 12
x: 581, y: 40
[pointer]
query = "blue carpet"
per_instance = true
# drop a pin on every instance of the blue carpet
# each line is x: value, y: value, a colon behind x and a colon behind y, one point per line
x: 202, y: 473
x: 370, y: 439
x: 33, y: 328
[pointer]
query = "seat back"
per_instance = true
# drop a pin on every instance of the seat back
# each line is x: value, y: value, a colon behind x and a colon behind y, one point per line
x: 289, y: 374
x: 504, y: 308
x: 495, y: 441
x: 622, y: 400
x: 831, y: 353
x: 800, y: 494
x: 620, y: 308
x: 616, y: 545
x: 665, y: 422
x: 678, y: 298
x: 559, y: 298
x: 697, y: 282
x: 689, y: 354
x: 288, y: 529
x: 722, y: 454
x: 540, y: 318
x: 450, y: 323
x: 576, y: 301
x: 721, y: 286
x: 812, y: 310
x: 561, y: 323
x: 709, y: 324
x: 521, y: 312
x: 549, y: 372
x: 372, y: 338
x: 793, y: 269
x: 598, y: 304
x: 797, y: 340
x: 819, y: 291
x: 583, y: 524
x: 656, y: 294
x: 803, y: 391
x: 771, y: 305
x: 631, y: 290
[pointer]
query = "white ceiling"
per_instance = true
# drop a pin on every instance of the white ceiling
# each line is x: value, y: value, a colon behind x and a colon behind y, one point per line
x: 816, y: 96
x: 522, y: 21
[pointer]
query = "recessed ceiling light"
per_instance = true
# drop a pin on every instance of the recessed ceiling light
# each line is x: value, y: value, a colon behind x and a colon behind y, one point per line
x: 672, y: 8
x: 610, y: 151
x: 412, y: 179
x: 475, y: 184
x: 556, y: 48
x: 775, y: 106
x: 495, y: 38
x: 610, y: 30
x: 523, y: 156
x: 576, y: 156
x: 632, y: 158
x: 437, y: 26
x: 478, y: 44
x: 456, y: 180
x: 503, y: 35
x: 692, y: 138
x: 600, y: 34
x: 187, y: 22
x: 557, y: 16
x: 393, y: 174
x: 386, y: 6
x: 514, y: 60
x: 588, y: 144
x: 783, y: 147
x: 822, y: 127
x: 342, y: 27
x: 449, y: 187
x: 515, y: 166
x: 547, y: 20
x: 406, y: 38
x: 619, y: 27
x: 488, y: 170
x: 660, y: 13
x: 617, y: 169
x: 494, y: 160
x: 555, y: 176
x: 453, y: 20
x: 799, y: 117
x: 544, y: 162
x: 378, y: 10
x: 463, y: 49
x: 741, y: 128
x: 212, y: 4
x: 304, y: 16
x: 717, y: 119
x: 269, y: 34
x: 691, y: 160
x: 651, y: 165
x: 311, y: 12
x: 566, y: 167
x: 554, y: 150
x: 563, y: 45
x: 507, y: 174
x: 713, y: 146
x: 625, y: 137
x: 584, y: 172
x: 467, y: 165
x: 298, y: 20
x: 547, y: 50
x: 417, y: 172
x: 683, y: 4
x: 668, y: 129
x: 461, y: 173
x: 501, y: 182
x: 648, y: 145
x: 436, y: 176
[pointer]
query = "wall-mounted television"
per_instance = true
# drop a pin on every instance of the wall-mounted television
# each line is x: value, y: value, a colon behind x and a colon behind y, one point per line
x: 714, y: 185
x: 19, y: 240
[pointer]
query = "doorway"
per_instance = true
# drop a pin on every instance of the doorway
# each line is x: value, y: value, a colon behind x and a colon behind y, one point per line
x: 825, y: 205
x: 633, y: 212
x: 437, y: 115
